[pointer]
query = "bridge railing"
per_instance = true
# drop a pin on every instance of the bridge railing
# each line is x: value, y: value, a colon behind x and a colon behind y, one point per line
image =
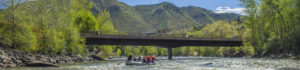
x: 142, y: 34
x: 157, y: 36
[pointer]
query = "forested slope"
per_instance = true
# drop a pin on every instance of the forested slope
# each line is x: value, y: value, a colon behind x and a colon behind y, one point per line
x: 145, y: 18
x: 51, y: 27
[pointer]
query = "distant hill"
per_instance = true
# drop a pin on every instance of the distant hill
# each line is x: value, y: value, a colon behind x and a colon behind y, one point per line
x: 146, y: 18
x: 125, y: 18
x: 165, y: 16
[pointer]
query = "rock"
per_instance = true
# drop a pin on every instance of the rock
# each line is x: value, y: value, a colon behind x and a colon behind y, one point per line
x: 206, y: 64
x: 52, y: 60
x: 68, y: 59
x: 14, y: 58
x: 43, y: 59
x: 12, y: 65
x: 2, y: 52
x: 110, y: 57
x: 96, y: 57
x: 2, y: 65
x: 40, y: 64
x: 61, y: 62
x: 4, y: 58
x: 27, y: 59
x: 284, y: 56
x: 16, y: 61
x: 79, y: 56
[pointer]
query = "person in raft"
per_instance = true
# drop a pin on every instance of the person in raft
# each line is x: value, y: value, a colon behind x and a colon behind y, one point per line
x: 148, y: 59
x: 152, y: 58
x: 144, y: 60
x: 129, y: 57
x: 140, y: 58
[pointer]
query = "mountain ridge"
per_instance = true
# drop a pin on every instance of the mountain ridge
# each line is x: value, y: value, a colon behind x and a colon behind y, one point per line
x: 162, y: 16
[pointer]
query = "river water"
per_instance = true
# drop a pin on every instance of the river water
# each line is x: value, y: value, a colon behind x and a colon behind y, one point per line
x: 183, y: 63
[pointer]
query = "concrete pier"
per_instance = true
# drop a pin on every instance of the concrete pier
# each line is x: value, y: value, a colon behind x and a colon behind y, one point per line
x: 170, y: 53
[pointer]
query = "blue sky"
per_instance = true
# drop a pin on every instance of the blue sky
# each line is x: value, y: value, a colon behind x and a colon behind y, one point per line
x: 219, y: 6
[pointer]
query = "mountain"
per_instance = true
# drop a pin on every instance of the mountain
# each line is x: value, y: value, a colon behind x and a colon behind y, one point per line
x: 200, y: 15
x: 146, y: 18
x: 125, y: 18
x: 165, y: 16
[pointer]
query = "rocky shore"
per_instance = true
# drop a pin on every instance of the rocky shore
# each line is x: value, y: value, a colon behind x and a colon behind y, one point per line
x: 16, y: 58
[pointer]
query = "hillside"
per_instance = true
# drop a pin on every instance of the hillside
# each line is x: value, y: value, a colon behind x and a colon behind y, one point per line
x: 125, y: 18
x: 165, y: 16
x: 146, y: 18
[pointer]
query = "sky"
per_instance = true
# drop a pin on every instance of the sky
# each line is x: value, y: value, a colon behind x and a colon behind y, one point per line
x: 218, y: 6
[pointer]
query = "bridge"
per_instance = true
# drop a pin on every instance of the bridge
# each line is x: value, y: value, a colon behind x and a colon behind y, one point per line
x: 160, y: 41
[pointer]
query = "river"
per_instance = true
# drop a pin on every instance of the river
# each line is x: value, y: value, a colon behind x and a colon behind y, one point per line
x: 182, y: 63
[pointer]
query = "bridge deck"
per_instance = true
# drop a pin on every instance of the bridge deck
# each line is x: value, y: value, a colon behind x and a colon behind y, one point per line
x: 167, y: 42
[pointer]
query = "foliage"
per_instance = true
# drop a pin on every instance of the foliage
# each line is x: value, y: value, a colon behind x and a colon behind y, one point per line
x: 51, y: 26
x: 86, y: 22
x: 118, y: 52
x: 105, y: 23
x: 271, y: 26
x: 105, y: 51
x: 219, y: 29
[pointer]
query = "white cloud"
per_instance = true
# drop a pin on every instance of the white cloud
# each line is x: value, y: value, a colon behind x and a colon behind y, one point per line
x: 230, y: 10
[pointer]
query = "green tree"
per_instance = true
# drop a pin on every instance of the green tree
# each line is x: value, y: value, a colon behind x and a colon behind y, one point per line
x: 105, y: 51
x: 271, y: 26
x: 105, y: 23
x: 219, y: 29
x: 44, y: 26
x: 118, y: 52
x: 86, y: 22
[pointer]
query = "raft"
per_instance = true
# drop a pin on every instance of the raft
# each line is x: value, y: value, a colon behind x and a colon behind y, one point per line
x: 139, y: 63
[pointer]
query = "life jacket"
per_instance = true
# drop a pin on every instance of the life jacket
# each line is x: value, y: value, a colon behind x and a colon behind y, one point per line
x: 153, y: 58
x: 148, y: 58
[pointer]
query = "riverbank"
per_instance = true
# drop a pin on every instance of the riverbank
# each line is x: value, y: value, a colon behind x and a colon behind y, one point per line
x: 15, y: 58
x: 10, y: 58
x: 182, y: 63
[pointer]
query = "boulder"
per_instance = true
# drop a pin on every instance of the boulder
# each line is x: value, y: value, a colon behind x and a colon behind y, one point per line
x: 61, y: 62
x: 12, y: 65
x: 14, y: 58
x: 4, y: 58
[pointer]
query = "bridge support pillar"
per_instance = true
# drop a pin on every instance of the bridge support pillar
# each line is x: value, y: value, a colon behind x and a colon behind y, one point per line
x: 170, y: 53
